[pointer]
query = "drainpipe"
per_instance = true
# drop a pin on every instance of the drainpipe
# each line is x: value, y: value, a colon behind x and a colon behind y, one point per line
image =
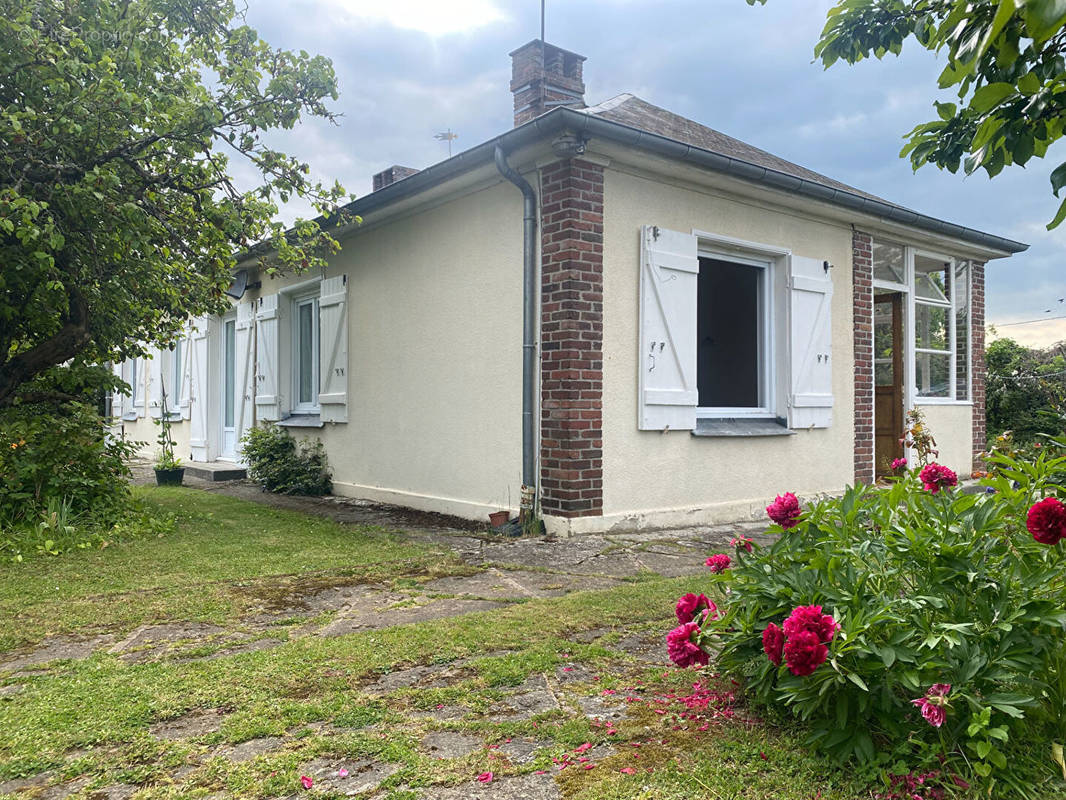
x: 529, y: 323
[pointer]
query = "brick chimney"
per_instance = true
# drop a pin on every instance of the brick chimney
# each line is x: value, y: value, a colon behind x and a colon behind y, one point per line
x: 544, y: 77
x: 391, y: 175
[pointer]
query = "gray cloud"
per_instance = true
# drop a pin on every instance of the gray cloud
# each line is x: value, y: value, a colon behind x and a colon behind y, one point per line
x: 742, y: 70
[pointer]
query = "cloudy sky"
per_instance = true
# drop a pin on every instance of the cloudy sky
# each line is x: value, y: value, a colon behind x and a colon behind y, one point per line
x: 411, y: 68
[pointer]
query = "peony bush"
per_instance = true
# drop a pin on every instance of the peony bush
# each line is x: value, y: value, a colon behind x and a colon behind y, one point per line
x: 911, y: 626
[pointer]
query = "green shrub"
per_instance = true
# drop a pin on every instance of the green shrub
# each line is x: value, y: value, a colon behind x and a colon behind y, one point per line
x: 918, y: 590
x: 279, y: 464
x: 61, y: 457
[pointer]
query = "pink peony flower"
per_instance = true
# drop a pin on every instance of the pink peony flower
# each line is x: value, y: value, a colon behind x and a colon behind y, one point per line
x: 804, y: 653
x: 1046, y: 520
x: 785, y: 510
x: 899, y: 463
x: 306, y: 782
x: 811, y: 618
x: 485, y: 777
x: 690, y: 605
x: 719, y: 562
x: 342, y: 773
x: 680, y: 647
x: 773, y: 640
x: 935, y: 477
x: 934, y: 704
x: 741, y: 541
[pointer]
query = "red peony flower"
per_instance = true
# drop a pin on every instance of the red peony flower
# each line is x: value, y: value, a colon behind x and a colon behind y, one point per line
x: 935, y: 477
x: 719, y: 562
x: 682, y: 650
x: 773, y: 641
x: 785, y: 510
x: 741, y: 541
x: 811, y: 618
x: 1046, y: 520
x: 690, y: 605
x: 804, y: 653
x: 934, y: 704
x: 899, y: 463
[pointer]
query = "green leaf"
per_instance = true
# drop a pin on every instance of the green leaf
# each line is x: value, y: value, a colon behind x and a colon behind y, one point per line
x: 1029, y: 84
x: 983, y: 748
x: 1043, y: 18
x: 989, y: 96
x: 946, y: 110
x: 858, y: 681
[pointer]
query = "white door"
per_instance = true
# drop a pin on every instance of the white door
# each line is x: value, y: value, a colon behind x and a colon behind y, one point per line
x: 228, y: 415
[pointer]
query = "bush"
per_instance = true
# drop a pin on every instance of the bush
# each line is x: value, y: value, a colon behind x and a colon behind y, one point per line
x: 61, y: 458
x: 279, y: 464
x: 909, y: 627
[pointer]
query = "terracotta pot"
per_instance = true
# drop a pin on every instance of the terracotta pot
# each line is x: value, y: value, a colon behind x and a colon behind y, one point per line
x: 498, y: 518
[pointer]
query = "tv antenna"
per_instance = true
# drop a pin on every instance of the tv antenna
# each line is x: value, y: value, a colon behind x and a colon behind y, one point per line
x: 447, y: 136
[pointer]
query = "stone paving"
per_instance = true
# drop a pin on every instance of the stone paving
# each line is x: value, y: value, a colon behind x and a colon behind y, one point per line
x: 504, y: 570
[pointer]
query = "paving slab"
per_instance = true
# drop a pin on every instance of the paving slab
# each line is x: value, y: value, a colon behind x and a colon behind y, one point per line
x: 450, y: 744
x: 251, y: 749
x: 196, y: 723
x: 56, y: 649
x: 347, y: 776
x: 524, y: 787
x: 522, y: 751
x: 361, y: 619
x: 507, y: 584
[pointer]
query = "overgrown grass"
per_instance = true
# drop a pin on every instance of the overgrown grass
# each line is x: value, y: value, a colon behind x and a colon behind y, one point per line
x: 93, y: 719
x: 225, y: 557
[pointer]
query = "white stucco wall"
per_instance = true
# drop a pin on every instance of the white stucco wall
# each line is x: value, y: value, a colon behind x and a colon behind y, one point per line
x: 655, y: 478
x: 952, y: 427
x: 434, y: 359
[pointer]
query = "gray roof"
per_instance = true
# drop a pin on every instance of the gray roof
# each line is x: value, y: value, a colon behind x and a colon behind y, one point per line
x: 627, y: 109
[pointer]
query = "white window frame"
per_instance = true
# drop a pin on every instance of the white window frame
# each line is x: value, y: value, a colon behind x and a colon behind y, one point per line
x: 910, y: 348
x: 176, y: 379
x: 767, y: 258
x: 297, y: 301
x: 135, y: 395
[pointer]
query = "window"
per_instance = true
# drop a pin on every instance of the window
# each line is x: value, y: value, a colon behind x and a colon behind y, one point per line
x: 305, y: 349
x: 732, y: 343
x: 132, y: 380
x: 938, y: 340
x: 172, y: 388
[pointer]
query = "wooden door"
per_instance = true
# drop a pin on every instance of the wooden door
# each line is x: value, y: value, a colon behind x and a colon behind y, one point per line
x: 888, y: 380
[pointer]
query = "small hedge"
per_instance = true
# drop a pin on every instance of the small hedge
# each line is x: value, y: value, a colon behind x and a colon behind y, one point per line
x: 280, y: 464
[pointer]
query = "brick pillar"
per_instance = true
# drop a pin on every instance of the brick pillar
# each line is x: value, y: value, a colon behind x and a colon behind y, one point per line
x: 862, y: 275
x: 572, y: 339
x: 977, y: 324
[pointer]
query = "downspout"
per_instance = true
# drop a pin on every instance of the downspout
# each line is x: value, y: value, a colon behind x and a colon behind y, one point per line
x: 529, y: 324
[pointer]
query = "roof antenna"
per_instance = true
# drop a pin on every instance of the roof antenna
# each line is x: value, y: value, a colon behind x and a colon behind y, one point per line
x: 447, y: 136
x: 542, y: 21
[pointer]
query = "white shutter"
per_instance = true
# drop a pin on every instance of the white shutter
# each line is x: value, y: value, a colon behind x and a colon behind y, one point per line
x: 244, y: 368
x: 154, y: 366
x: 182, y: 391
x: 198, y: 389
x: 810, y: 402
x: 333, y: 350
x: 669, y: 276
x: 119, y: 402
x: 267, y: 401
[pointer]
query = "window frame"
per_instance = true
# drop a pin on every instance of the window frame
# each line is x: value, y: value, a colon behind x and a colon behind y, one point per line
x: 767, y: 258
x: 298, y: 300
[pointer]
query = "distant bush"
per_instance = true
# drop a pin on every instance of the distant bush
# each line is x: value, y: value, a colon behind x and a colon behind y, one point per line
x: 1025, y: 391
x: 61, y: 456
x: 278, y: 463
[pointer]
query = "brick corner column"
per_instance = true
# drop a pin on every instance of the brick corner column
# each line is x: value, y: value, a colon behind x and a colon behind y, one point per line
x: 863, y: 322
x: 572, y: 339
x: 977, y: 326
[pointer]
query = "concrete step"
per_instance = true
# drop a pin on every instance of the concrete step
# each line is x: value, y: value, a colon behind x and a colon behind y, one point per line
x: 215, y: 470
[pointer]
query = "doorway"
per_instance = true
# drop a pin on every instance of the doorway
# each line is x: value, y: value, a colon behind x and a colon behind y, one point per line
x: 888, y: 380
x: 229, y: 385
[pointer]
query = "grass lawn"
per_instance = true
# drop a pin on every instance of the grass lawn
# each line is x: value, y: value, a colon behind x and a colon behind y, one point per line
x: 320, y: 703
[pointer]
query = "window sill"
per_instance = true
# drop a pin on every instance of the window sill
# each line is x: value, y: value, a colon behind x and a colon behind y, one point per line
x: 301, y: 421
x: 941, y: 401
x: 130, y: 416
x: 724, y: 428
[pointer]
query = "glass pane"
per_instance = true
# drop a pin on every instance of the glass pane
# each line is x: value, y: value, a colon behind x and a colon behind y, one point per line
x: 930, y: 286
x: 728, y: 352
x: 229, y: 351
x: 962, y: 332
x: 133, y: 380
x: 931, y: 327
x: 173, y: 391
x: 884, y: 373
x: 933, y: 374
x: 306, y: 352
x: 888, y: 262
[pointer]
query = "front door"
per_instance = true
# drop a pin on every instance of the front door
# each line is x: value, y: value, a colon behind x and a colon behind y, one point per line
x: 888, y: 380
x: 228, y: 413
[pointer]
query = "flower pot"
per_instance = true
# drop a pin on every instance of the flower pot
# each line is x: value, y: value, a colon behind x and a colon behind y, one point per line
x: 498, y: 518
x: 169, y: 477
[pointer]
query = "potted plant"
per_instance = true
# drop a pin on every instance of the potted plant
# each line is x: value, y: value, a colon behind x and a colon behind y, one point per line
x: 168, y: 469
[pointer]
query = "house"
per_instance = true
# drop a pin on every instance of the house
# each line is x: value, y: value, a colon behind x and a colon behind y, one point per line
x: 650, y: 322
